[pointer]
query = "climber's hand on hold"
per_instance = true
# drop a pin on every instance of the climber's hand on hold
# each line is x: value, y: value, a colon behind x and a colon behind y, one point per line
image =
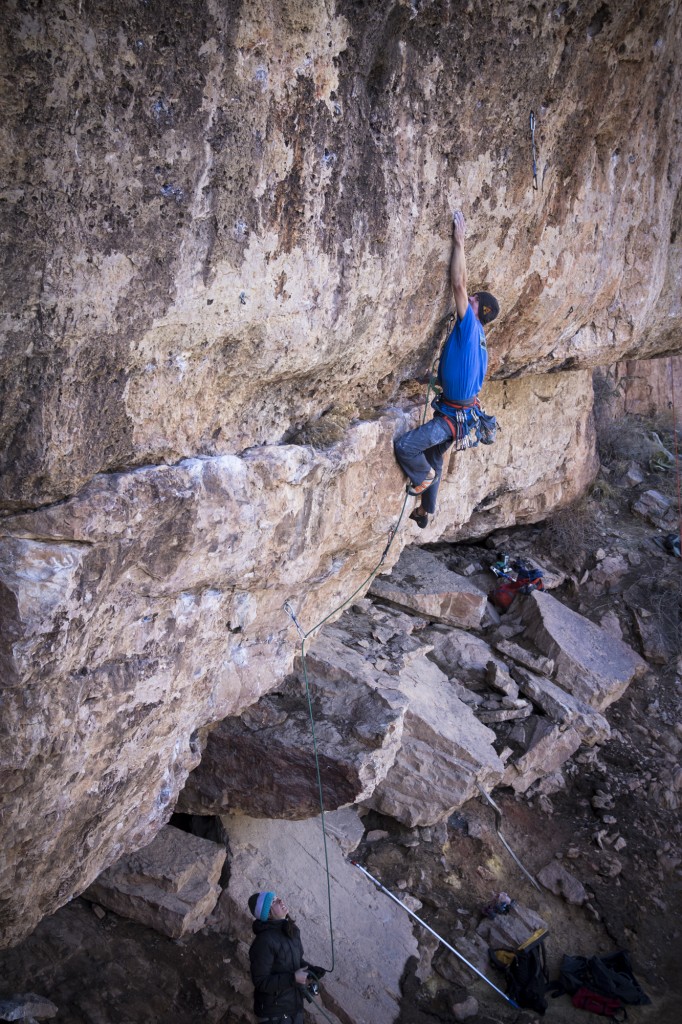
x: 459, y: 226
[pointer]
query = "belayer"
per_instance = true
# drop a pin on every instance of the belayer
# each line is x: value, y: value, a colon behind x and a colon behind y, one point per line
x: 458, y: 418
x: 281, y: 977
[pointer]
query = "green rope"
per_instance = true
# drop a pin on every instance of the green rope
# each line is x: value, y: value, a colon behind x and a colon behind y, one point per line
x: 304, y: 636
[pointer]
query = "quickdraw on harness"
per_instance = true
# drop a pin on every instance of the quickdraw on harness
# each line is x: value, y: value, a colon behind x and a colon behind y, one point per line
x: 462, y: 419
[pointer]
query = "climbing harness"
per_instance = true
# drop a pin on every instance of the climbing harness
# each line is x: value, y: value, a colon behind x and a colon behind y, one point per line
x: 387, y: 892
x: 532, y: 144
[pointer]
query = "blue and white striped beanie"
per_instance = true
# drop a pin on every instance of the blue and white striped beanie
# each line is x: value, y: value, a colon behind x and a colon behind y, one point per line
x: 260, y: 903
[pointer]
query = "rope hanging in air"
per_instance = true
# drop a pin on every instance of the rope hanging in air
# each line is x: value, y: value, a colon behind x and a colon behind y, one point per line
x: 304, y: 635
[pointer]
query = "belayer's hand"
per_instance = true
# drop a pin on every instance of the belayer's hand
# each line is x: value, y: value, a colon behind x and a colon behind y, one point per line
x: 301, y: 976
x: 319, y: 972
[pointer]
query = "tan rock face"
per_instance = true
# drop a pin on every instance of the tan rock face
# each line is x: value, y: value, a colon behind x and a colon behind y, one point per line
x: 226, y: 222
x: 263, y: 763
x: 249, y: 219
x: 151, y: 604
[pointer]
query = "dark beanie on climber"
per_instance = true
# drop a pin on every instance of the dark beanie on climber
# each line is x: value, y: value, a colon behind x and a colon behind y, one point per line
x: 488, y: 307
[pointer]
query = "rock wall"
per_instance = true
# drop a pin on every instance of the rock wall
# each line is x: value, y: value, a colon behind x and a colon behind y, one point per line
x: 651, y: 388
x: 228, y: 228
x: 223, y: 218
x: 151, y: 604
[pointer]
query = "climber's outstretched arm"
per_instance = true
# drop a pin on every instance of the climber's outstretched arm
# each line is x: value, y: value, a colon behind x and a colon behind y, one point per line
x: 458, y: 267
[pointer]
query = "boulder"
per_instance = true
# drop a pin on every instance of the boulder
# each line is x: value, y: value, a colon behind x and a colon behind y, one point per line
x: 445, y: 752
x: 591, y: 664
x: 170, y: 885
x: 263, y: 763
x: 555, y: 877
x: 550, y: 745
x: 562, y: 707
x: 507, y: 931
x: 28, y: 1007
x: 655, y: 645
x: 468, y: 658
x: 655, y: 508
x: 421, y: 583
x: 369, y: 928
x: 610, y: 570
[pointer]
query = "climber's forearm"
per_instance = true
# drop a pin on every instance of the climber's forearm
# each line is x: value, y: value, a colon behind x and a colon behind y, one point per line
x: 458, y: 267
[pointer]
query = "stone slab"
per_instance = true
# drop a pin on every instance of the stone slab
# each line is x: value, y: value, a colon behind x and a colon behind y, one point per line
x: 562, y: 707
x: 445, y: 751
x: 369, y: 929
x: 172, y: 885
x: 591, y: 664
x: 421, y: 583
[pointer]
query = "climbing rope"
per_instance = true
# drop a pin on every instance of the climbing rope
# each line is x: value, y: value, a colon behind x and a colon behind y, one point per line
x: 306, y: 634
x: 677, y: 457
x: 532, y: 146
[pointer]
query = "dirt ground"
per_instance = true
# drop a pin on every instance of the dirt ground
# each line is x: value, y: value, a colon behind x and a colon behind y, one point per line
x: 612, y: 818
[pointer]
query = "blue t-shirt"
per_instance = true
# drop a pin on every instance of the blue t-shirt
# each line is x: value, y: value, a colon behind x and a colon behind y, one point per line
x: 463, y: 361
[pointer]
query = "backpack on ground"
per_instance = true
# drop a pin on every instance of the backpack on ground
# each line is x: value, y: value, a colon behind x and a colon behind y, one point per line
x: 525, y: 970
x: 528, y: 578
x: 604, y: 976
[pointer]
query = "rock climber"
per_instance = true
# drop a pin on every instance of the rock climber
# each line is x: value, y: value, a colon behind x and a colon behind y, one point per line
x: 461, y: 371
x: 279, y: 973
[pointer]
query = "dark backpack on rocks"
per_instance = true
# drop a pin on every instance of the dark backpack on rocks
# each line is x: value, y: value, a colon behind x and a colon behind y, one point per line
x: 606, y: 976
x: 525, y: 969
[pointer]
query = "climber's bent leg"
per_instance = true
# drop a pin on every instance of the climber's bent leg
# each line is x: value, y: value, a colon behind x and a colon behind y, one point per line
x: 435, y: 457
x: 420, y: 451
x: 411, y: 447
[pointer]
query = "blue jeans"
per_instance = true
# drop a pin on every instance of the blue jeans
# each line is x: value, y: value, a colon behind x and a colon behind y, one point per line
x: 421, y: 450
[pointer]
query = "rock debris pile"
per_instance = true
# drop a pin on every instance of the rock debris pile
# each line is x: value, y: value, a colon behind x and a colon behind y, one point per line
x: 421, y: 694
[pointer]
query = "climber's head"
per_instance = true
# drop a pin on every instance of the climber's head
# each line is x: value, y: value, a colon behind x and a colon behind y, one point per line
x: 485, y: 306
x: 267, y: 906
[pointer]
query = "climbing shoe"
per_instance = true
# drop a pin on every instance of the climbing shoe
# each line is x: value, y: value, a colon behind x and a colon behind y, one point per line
x: 416, y: 489
x: 420, y: 517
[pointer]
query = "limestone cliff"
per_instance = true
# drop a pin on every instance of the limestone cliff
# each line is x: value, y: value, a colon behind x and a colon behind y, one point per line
x: 225, y: 221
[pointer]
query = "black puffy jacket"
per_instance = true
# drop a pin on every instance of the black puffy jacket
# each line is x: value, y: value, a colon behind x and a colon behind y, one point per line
x: 275, y: 958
